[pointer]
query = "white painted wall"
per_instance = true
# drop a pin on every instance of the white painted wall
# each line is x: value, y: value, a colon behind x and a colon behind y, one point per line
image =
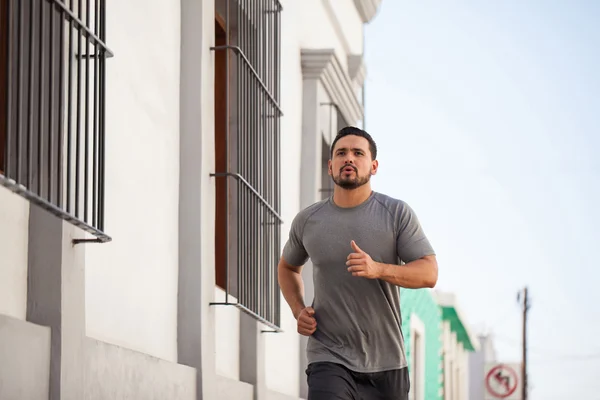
x: 14, y: 230
x: 115, y: 373
x: 131, y: 283
x: 462, y: 372
x: 456, y: 366
x: 325, y: 24
x: 227, y: 340
x: 447, y: 349
x: 282, y: 349
x: 417, y: 327
x: 347, y: 23
x: 476, y: 367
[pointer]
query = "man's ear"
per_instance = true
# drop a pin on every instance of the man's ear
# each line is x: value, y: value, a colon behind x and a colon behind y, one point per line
x: 374, y: 167
x: 329, y: 170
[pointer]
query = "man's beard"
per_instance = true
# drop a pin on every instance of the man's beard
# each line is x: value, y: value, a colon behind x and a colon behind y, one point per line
x: 351, y: 183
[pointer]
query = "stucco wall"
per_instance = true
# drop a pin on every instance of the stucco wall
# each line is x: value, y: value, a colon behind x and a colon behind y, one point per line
x: 24, y: 360
x: 231, y: 389
x: 14, y: 218
x: 476, y: 364
x: 347, y: 23
x: 227, y: 341
x: 329, y: 24
x: 115, y: 373
x: 131, y: 283
x: 282, y: 349
x: 476, y: 378
x: 422, y: 303
x: 456, y: 366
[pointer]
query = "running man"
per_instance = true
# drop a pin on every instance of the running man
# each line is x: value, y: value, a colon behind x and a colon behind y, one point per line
x: 357, y: 240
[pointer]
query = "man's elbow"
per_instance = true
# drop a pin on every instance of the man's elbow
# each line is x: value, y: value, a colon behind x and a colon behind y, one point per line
x: 284, y: 267
x: 432, y: 281
x: 432, y: 276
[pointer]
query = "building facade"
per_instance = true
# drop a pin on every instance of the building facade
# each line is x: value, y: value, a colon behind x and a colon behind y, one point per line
x: 152, y: 157
x: 439, y: 345
x: 458, y: 342
x: 477, y: 363
x: 422, y: 328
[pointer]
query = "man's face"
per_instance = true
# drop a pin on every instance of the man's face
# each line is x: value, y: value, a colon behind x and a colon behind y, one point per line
x: 351, y: 165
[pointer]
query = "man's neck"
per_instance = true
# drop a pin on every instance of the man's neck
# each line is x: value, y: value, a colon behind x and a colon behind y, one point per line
x: 351, y: 198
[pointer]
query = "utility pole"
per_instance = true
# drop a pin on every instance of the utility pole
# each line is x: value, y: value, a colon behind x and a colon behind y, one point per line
x: 526, y: 307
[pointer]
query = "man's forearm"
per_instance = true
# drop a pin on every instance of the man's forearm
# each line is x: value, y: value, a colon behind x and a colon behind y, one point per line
x: 292, y: 287
x: 421, y: 273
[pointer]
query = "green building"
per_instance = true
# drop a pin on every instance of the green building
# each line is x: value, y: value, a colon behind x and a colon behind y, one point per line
x: 437, y: 340
x: 422, y: 328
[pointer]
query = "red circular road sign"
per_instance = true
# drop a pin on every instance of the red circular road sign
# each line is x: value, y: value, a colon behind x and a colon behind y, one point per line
x: 501, y: 381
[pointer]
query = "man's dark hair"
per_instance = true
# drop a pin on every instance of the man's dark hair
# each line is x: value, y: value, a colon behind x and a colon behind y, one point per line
x: 352, y: 130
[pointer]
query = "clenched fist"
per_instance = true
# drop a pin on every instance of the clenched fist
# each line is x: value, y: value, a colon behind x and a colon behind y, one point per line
x: 307, y: 324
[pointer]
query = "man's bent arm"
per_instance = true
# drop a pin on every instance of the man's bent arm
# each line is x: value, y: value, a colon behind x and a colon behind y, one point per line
x: 292, y: 286
x: 418, y: 274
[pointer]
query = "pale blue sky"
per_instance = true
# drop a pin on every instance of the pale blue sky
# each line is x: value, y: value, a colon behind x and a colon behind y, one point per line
x: 487, y: 118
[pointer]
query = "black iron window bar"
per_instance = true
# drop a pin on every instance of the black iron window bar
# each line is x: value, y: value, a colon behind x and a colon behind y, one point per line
x: 256, y: 58
x: 55, y: 108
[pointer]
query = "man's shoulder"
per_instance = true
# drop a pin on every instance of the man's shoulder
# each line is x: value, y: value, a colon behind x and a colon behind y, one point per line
x: 392, y: 204
x: 309, y: 211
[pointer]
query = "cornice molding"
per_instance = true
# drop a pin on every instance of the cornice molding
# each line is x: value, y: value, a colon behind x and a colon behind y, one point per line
x: 367, y: 9
x: 323, y: 65
x: 357, y: 69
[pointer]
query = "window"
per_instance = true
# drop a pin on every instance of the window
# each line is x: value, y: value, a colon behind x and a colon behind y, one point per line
x: 221, y: 153
x: 335, y: 121
x: 326, y: 180
x: 247, y: 166
x: 52, y: 107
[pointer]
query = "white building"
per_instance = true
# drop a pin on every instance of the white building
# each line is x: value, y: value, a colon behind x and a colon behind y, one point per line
x: 111, y: 132
x: 477, y: 363
x: 457, y: 343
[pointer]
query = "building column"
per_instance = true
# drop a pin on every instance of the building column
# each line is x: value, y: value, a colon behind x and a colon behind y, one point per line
x: 309, y: 192
x: 56, y: 298
x: 196, y: 321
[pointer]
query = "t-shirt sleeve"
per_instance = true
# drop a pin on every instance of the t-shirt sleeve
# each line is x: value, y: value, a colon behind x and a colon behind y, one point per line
x: 294, y: 252
x: 411, y: 242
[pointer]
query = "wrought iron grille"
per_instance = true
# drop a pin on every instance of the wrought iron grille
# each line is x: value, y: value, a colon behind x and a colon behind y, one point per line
x: 53, y: 114
x: 253, y: 175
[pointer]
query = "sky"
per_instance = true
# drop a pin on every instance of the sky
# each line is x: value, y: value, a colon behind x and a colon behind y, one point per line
x: 487, y: 117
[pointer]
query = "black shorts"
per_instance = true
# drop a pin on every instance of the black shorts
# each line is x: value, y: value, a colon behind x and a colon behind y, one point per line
x: 330, y: 381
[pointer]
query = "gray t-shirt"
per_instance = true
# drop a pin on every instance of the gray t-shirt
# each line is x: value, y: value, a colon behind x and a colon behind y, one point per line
x: 358, y: 319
